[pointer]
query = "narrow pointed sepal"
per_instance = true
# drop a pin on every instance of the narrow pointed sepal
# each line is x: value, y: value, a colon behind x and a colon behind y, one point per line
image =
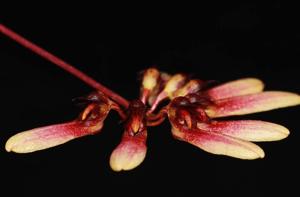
x: 220, y: 144
x: 252, y: 103
x: 249, y: 130
x: 48, y: 136
x: 130, y: 153
x: 236, y: 88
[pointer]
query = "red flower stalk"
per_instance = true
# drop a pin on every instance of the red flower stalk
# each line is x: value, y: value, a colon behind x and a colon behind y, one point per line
x: 192, y: 111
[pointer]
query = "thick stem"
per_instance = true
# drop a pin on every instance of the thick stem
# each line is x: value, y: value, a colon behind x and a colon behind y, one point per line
x: 62, y: 64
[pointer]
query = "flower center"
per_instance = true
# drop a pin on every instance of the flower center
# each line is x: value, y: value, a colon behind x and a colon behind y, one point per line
x: 136, y: 117
x: 187, y: 111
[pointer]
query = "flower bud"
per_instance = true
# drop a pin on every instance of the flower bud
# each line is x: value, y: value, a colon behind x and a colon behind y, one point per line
x: 150, y: 78
x: 191, y: 87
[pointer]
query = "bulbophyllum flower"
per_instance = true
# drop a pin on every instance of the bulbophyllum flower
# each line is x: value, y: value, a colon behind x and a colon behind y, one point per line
x: 192, y: 120
x: 132, y: 149
x: 193, y: 111
x: 89, y: 122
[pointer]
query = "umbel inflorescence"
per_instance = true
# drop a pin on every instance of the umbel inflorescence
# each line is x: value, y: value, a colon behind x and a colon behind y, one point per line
x: 193, y: 109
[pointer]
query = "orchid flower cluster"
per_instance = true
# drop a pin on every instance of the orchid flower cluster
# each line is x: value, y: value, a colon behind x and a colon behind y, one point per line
x: 193, y: 109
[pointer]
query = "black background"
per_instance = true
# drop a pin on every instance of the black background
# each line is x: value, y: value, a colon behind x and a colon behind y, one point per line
x: 113, y: 44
